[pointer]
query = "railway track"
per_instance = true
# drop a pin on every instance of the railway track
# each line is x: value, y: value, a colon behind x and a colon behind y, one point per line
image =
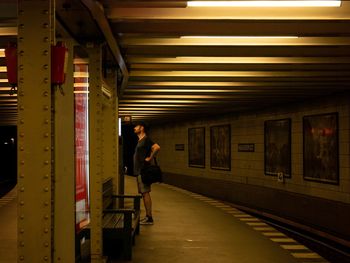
x: 330, y: 250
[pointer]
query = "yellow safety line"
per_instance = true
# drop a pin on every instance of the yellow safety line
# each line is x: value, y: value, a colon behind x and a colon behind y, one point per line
x: 306, y: 255
x: 294, y: 247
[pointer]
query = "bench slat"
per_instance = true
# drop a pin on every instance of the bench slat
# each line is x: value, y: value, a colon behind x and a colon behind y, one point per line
x: 113, y: 221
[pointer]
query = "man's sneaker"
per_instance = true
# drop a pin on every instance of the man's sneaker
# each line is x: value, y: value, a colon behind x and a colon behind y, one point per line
x: 147, y: 221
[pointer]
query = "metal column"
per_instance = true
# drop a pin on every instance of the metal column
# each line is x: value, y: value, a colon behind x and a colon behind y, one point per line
x: 120, y: 183
x: 64, y: 207
x: 110, y: 135
x: 115, y: 131
x: 35, y: 143
x: 95, y: 138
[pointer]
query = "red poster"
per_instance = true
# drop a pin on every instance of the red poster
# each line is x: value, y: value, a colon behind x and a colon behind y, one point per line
x: 82, y: 203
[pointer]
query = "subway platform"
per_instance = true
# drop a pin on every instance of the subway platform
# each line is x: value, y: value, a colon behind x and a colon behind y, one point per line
x: 188, y: 227
x: 193, y: 228
x: 8, y: 227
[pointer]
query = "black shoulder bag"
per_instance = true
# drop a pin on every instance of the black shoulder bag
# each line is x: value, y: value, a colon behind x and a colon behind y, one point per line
x: 151, y: 173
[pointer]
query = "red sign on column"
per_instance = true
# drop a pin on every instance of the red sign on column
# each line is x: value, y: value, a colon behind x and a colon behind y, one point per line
x: 82, y: 200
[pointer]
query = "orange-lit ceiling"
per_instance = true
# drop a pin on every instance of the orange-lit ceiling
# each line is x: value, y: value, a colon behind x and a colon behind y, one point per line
x: 181, y: 62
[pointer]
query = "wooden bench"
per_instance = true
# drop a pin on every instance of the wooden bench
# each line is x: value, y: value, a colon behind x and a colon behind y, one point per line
x: 120, y: 222
x: 121, y: 225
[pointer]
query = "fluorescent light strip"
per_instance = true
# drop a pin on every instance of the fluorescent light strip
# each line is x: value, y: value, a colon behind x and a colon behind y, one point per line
x: 126, y: 109
x: 8, y: 31
x: 240, y: 37
x: 124, y: 106
x: 81, y: 85
x: 3, y: 69
x: 130, y: 91
x: 277, y: 3
x: 240, y: 60
x: 161, y: 101
x: 7, y: 95
x: 81, y: 61
x: 145, y: 111
x: 81, y: 75
x: 81, y: 92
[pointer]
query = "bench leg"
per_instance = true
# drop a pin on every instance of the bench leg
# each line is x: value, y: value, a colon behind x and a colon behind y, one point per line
x: 137, y: 230
x: 133, y: 239
x: 127, y: 249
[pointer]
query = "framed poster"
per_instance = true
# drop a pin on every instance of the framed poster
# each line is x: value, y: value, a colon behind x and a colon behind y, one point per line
x: 220, y: 147
x: 320, y: 134
x: 196, y: 147
x: 277, y: 147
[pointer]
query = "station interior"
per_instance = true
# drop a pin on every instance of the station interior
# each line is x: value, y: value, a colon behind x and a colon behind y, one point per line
x: 248, y: 100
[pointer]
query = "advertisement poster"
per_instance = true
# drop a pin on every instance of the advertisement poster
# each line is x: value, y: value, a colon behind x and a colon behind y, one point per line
x: 220, y: 147
x: 82, y: 203
x: 278, y: 151
x: 196, y: 147
x: 321, y: 151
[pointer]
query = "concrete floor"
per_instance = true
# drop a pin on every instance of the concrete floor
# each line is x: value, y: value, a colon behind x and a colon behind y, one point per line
x: 190, y: 228
x: 8, y: 228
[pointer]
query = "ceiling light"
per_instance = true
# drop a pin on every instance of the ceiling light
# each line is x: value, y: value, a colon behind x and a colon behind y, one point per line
x: 277, y: 3
x: 81, y: 74
x: 174, y: 101
x: 81, y: 85
x: 81, y: 92
x: 184, y: 90
x: 240, y: 37
x: 8, y: 31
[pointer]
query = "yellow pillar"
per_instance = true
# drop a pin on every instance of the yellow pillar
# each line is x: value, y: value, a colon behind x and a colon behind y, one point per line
x: 118, y: 162
x: 110, y: 134
x: 35, y: 134
x: 95, y: 139
x: 116, y: 138
x: 64, y: 206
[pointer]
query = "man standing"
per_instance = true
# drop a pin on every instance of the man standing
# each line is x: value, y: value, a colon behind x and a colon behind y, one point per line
x: 145, y: 151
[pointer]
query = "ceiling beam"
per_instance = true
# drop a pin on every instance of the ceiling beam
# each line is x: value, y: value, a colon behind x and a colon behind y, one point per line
x: 232, y: 41
x: 225, y: 27
x: 230, y: 13
x: 98, y: 14
x: 235, y: 67
x: 231, y: 84
x: 239, y: 60
x: 239, y: 51
x: 230, y: 74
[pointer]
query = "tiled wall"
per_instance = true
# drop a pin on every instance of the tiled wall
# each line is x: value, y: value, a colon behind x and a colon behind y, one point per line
x: 248, y: 167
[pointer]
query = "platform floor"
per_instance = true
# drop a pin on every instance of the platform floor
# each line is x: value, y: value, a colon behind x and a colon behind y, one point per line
x: 8, y: 227
x: 193, y: 228
x: 188, y: 228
